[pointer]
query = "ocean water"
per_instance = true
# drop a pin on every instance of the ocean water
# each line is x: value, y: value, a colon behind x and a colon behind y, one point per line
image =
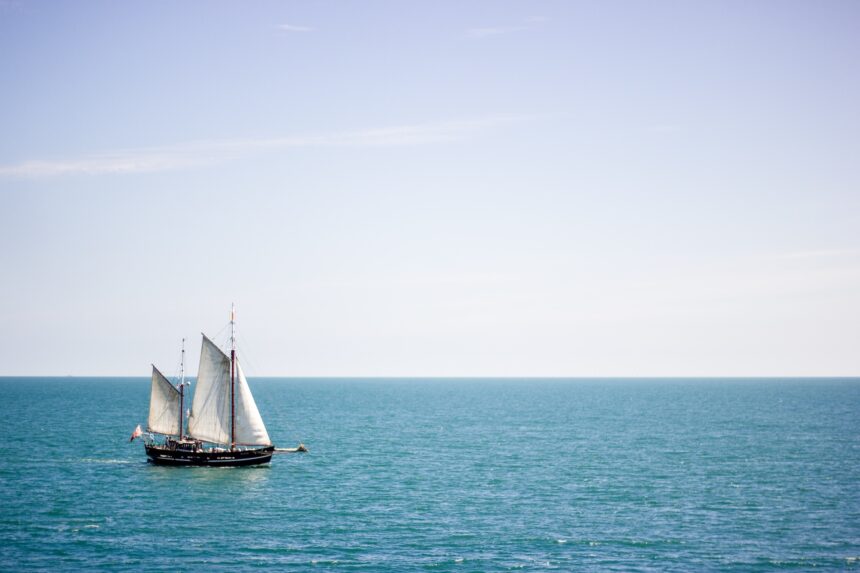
x: 445, y: 475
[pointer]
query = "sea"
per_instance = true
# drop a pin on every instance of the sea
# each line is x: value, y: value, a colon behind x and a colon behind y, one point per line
x: 445, y: 475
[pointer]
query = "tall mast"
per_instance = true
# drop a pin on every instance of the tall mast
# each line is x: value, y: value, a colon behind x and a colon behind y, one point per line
x: 232, y: 377
x: 182, y: 392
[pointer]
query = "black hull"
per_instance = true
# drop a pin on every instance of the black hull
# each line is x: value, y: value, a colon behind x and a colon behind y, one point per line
x: 178, y: 457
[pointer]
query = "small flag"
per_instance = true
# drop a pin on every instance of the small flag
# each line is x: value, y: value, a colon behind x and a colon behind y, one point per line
x: 136, y: 433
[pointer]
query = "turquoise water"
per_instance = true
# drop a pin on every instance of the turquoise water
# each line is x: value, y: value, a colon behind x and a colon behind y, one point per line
x: 445, y: 475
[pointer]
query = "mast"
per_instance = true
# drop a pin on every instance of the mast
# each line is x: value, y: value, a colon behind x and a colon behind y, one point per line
x: 182, y: 391
x: 232, y: 377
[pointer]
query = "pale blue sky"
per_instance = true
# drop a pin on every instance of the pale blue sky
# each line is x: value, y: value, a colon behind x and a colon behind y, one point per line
x: 432, y: 189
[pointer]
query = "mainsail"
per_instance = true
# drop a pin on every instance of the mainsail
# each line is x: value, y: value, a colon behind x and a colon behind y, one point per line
x: 164, y: 406
x: 210, y: 415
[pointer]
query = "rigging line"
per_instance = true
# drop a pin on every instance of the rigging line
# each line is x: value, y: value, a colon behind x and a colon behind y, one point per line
x: 245, y: 355
x: 214, y: 338
x: 253, y: 363
x: 246, y: 360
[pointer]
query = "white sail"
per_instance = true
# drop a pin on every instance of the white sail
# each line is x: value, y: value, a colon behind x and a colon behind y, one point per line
x: 250, y: 429
x: 210, y: 415
x: 163, y: 406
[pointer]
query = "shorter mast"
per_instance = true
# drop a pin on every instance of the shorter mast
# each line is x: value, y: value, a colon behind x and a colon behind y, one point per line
x: 232, y: 378
x: 182, y: 392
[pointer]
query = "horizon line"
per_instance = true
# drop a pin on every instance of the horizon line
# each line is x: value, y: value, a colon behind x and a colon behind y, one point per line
x: 578, y: 377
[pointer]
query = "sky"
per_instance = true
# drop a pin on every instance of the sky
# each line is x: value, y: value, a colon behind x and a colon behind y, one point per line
x: 453, y: 188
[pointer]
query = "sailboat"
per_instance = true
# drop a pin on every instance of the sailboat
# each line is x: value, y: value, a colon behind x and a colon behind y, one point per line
x: 224, y: 428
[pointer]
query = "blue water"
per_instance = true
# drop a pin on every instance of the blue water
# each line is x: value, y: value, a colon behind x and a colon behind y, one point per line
x: 445, y: 475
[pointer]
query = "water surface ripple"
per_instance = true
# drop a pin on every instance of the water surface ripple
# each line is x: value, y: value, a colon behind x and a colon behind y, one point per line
x: 446, y: 475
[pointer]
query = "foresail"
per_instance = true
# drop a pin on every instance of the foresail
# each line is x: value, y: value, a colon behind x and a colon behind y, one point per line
x: 163, y: 406
x: 250, y: 429
x: 210, y: 414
